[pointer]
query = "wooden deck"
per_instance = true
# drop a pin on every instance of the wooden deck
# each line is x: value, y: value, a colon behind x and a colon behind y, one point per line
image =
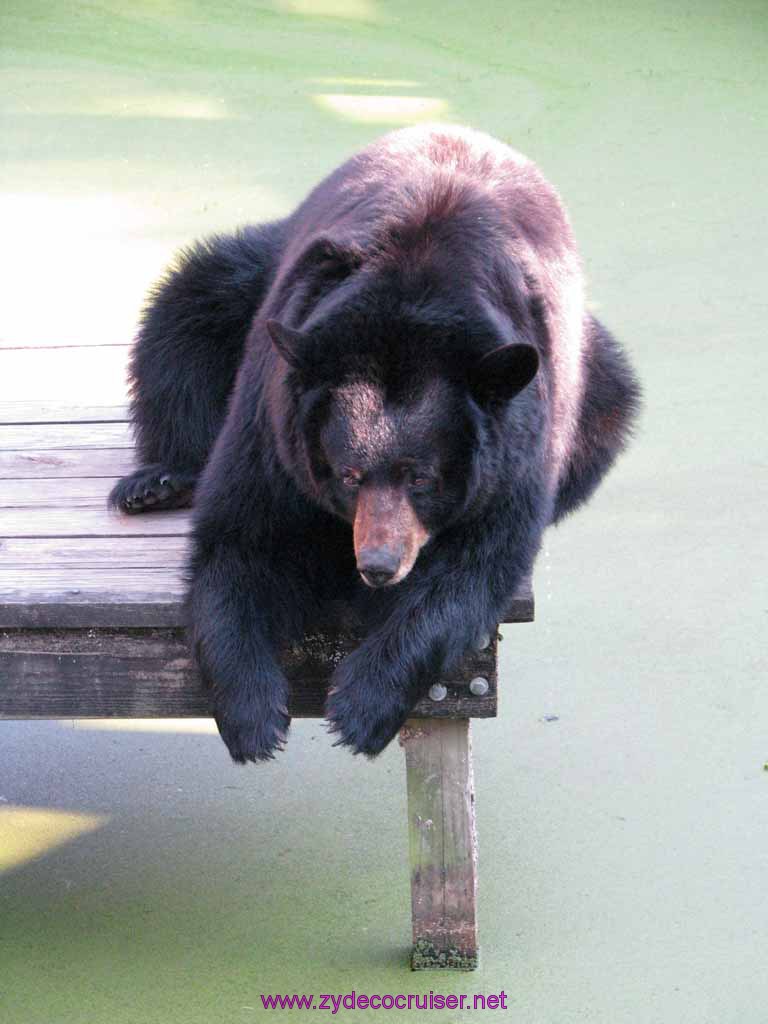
x: 97, y: 597
x: 66, y: 561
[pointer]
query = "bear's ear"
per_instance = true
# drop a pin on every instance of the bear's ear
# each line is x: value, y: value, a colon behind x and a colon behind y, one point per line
x: 289, y: 343
x: 333, y: 259
x: 504, y: 372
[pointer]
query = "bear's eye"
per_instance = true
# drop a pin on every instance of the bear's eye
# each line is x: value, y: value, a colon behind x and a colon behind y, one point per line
x: 420, y: 483
x: 350, y: 478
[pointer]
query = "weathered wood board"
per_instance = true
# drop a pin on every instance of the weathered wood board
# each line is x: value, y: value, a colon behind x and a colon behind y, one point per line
x: 61, y: 463
x: 148, y: 673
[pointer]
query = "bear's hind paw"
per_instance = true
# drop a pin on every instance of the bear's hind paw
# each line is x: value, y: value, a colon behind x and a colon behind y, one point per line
x: 152, y: 488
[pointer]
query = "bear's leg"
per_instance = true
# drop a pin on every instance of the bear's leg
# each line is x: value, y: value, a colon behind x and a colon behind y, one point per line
x: 609, y: 406
x: 183, y: 365
x: 238, y: 603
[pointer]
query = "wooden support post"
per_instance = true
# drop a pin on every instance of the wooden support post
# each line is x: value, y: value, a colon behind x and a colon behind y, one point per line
x: 442, y: 841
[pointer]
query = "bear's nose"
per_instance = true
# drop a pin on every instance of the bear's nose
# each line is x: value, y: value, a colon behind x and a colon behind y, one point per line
x: 378, y: 567
x: 377, y: 578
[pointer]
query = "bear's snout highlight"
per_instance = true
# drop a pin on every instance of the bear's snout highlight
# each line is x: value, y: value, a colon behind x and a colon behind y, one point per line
x: 388, y: 535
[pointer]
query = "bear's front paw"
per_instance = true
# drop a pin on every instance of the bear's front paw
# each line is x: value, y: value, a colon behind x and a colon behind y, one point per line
x: 253, y: 732
x: 365, y: 713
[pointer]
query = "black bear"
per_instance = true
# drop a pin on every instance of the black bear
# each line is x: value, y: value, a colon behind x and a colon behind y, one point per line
x: 384, y: 399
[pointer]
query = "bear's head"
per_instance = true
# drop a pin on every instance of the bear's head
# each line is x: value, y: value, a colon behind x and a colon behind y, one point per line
x: 396, y: 429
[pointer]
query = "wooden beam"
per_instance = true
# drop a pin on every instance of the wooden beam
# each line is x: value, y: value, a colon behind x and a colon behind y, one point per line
x: 442, y: 843
x: 149, y: 674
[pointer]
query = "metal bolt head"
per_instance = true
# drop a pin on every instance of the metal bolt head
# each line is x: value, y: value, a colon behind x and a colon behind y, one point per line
x: 479, y: 686
x: 438, y: 692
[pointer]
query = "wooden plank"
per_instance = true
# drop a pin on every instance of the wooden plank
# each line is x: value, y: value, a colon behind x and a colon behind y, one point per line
x: 52, y: 411
x: 70, y: 493
x: 106, y: 596
x: 83, y: 522
x: 47, y: 599
x: 109, y: 596
x: 92, y: 609
x: 62, y: 464
x: 442, y: 843
x: 149, y: 674
x: 91, y: 582
x: 152, y: 583
x: 28, y: 554
x: 32, y: 437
